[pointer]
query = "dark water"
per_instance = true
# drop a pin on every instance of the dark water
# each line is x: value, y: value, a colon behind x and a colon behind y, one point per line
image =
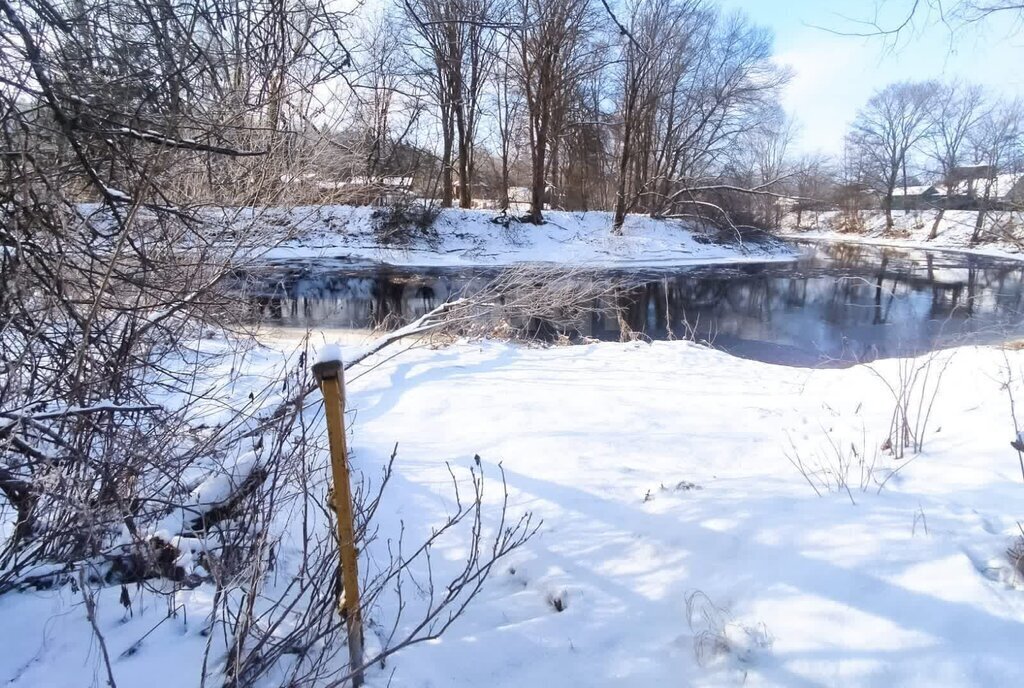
x: 838, y: 304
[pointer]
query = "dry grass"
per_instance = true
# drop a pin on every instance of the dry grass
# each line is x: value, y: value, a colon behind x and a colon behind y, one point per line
x: 1015, y: 553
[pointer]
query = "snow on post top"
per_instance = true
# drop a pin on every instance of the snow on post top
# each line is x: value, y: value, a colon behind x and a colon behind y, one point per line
x: 328, y: 362
x: 329, y: 353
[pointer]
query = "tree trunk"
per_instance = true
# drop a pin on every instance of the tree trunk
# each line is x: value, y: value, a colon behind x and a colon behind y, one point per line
x: 978, y: 223
x: 447, y: 134
x: 620, y: 191
x: 935, y: 225
x: 504, y: 200
x: 536, y: 215
x: 537, y: 187
x: 465, y: 192
x: 552, y: 192
x: 982, y: 208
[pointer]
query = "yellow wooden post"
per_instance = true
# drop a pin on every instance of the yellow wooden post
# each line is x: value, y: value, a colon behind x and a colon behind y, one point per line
x: 332, y: 384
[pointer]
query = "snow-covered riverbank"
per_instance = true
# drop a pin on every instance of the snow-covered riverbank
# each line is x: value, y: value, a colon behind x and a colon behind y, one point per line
x: 472, y: 238
x: 661, y: 473
x: 1002, y: 234
x: 664, y: 475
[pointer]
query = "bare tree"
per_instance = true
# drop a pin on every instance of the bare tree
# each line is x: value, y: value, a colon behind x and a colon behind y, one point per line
x: 507, y: 105
x: 458, y: 37
x: 995, y: 141
x: 958, y: 111
x: 900, y: 18
x: 377, y: 89
x: 770, y: 143
x: 723, y: 81
x: 647, y: 68
x: 550, y: 39
x: 814, y: 180
x: 887, y: 129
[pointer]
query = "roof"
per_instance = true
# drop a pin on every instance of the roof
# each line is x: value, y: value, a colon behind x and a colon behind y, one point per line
x: 914, y: 190
x: 975, y: 171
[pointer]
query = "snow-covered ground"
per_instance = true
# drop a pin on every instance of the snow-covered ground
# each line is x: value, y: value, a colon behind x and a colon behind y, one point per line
x: 1002, y: 233
x: 471, y: 237
x: 661, y: 474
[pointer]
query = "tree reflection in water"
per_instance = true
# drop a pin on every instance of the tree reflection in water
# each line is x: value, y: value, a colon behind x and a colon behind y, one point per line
x: 839, y: 304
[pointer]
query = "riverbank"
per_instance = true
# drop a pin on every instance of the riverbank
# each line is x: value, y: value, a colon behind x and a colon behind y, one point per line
x: 680, y: 544
x: 1001, y: 236
x: 473, y: 238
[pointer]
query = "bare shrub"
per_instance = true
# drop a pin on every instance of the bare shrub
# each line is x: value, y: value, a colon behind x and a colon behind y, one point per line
x: 1015, y: 553
x: 849, y: 223
x: 914, y: 391
x: 717, y: 636
x: 221, y: 507
x: 405, y: 221
x: 1008, y: 384
x: 512, y: 229
x: 294, y: 630
x: 538, y: 303
x: 115, y: 146
x: 840, y: 466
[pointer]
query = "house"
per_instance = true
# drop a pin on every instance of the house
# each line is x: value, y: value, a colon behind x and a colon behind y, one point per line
x: 915, y: 197
x: 1000, y: 190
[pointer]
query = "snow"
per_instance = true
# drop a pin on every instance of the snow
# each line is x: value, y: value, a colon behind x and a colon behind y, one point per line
x: 472, y: 238
x: 329, y: 353
x: 1002, y: 234
x: 681, y: 544
x: 117, y: 194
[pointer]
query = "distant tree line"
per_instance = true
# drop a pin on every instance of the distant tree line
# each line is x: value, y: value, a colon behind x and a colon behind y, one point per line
x: 645, y: 107
x: 655, y: 106
x: 664, y: 107
x: 954, y: 133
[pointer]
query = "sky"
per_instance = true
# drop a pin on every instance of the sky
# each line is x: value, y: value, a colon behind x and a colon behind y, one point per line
x: 834, y: 75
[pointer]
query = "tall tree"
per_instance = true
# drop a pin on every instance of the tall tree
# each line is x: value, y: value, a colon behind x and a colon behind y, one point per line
x: 551, y: 45
x: 658, y: 31
x: 458, y: 36
x: 722, y: 83
x: 957, y: 112
x: 507, y: 110
x: 887, y: 129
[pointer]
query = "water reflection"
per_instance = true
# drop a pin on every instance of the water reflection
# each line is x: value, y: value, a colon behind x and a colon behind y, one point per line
x: 839, y: 304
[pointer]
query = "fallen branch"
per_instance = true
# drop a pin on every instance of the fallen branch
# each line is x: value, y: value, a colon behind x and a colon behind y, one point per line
x: 425, y: 323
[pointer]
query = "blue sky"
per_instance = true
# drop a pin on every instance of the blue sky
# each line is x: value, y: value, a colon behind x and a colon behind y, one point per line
x: 834, y: 75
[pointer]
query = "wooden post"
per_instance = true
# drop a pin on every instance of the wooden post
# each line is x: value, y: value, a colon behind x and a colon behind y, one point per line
x: 332, y: 384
